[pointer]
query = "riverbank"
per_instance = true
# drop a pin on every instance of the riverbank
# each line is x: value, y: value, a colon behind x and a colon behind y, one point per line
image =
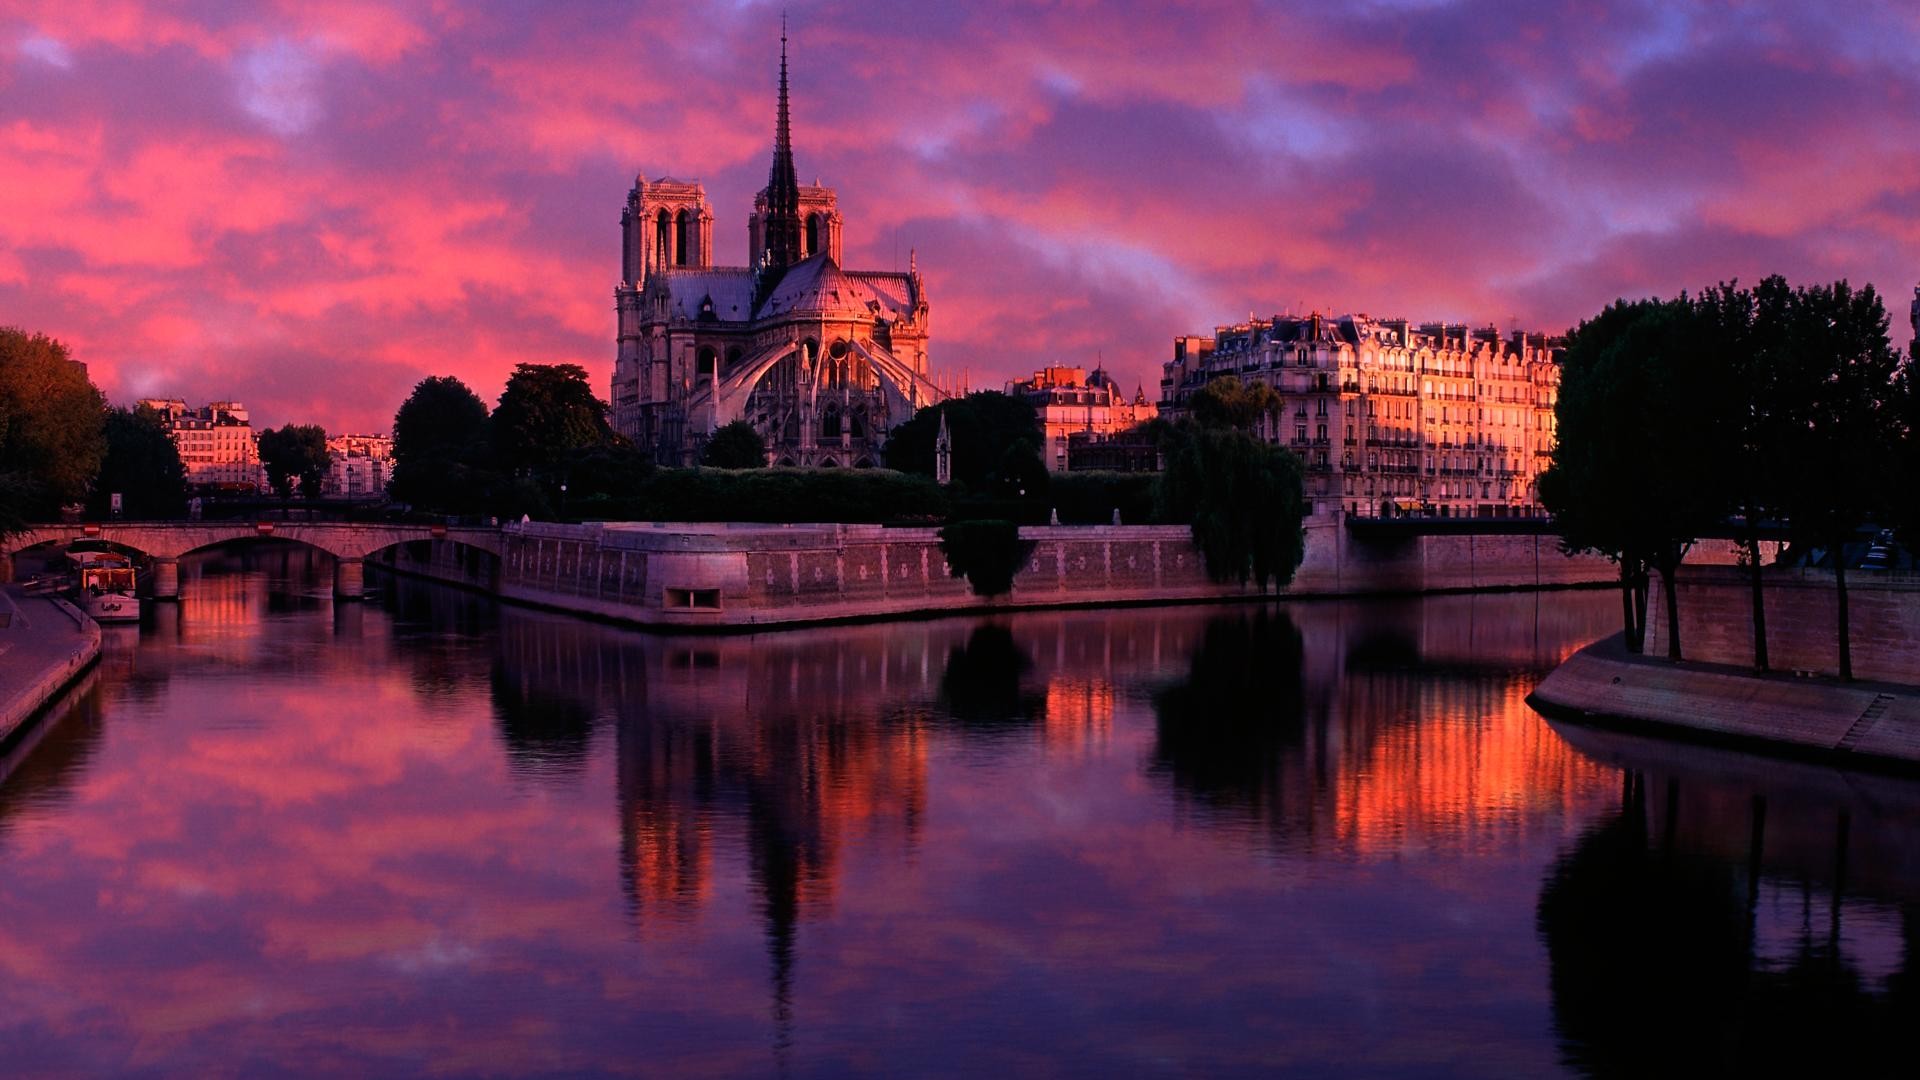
x: 45, y: 645
x: 1857, y: 723
x: 736, y: 576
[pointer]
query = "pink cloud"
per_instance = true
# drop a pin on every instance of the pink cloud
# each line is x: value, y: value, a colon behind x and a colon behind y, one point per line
x: 220, y: 200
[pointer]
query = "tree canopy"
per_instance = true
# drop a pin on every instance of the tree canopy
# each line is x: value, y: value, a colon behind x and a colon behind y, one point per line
x: 295, y: 454
x: 1244, y: 498
x: 1679, y: 418
x: 142, y: 466
x: 1641, y: 449
x: 546, y: 411
x: 735, y: 446
x: 983, y: 425
x: 52, y: 427
x: 441, y: 417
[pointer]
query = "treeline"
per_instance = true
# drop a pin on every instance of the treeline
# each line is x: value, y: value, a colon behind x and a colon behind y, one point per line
x: 546, y: 442
x: 1243, y: 499
x: 1750, y: 409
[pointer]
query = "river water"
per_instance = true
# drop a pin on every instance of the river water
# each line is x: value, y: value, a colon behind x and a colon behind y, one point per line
x: 427, y: 834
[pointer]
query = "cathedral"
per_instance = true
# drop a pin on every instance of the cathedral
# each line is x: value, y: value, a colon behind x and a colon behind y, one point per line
x: 822, y: 361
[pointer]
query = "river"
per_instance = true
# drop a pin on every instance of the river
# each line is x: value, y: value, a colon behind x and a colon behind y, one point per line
x: 275, y: 835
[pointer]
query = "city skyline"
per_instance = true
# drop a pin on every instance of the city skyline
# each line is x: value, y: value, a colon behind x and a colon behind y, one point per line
x: 312, y: 207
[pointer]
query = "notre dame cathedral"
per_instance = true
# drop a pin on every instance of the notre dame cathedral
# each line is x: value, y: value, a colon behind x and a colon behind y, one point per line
x: 822, y: 361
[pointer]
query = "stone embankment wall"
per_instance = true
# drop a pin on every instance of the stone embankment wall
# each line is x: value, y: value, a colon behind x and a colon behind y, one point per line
x: 44, y: 645
x: 1802, y: 607
x: 746, y: 574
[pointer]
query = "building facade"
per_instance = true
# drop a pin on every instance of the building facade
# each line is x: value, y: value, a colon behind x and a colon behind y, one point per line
x: 822, y: 361
x: 1389, y: 417
x: 360, y: 469
x: 216, y: 443
x: 1071, y: 401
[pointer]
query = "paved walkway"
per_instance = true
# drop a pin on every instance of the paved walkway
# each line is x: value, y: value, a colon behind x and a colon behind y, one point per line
x: 1858, y: 722
x: 45, y: 644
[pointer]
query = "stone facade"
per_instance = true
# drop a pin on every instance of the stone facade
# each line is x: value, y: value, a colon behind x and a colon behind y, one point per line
x: 822, y: 361
x: 216, y: 443
x: 1389, y: 417
x: 360, y: 467
x: 720, y: 575
x: 1069, y: 401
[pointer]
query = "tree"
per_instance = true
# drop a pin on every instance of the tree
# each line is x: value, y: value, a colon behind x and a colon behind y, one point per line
x: 1841, y: 370
x: 545, y: 411
x: 1740, y: 337
x: 983, y: 426
x: 1639, y: 453
x: 735, y: 446
x: 441, y: 417
x: 52, y: 424
x: 142, y: 465
x: 1020, y: 473
x: 1903, y: 503
x: 296, y: 453
x: 441, y: 455
x: 1244, y: 498
x: 1228, y: 402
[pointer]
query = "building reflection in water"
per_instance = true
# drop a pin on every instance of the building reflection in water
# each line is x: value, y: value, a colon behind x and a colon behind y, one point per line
x: 1376, y: 727
x: 1735, y: 913
x: 1233, y: 838
x: 1359, y: 726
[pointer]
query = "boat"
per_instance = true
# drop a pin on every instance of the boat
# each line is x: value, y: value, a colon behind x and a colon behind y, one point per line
x: 103, y: 586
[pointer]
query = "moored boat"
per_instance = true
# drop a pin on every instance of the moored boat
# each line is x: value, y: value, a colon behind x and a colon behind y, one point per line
x: 104, y: 586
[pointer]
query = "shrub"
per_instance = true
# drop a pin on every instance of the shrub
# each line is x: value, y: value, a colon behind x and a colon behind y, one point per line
x: 987, y: 553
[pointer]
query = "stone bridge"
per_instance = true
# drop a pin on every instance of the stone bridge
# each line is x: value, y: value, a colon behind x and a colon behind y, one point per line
x: 164, y: 542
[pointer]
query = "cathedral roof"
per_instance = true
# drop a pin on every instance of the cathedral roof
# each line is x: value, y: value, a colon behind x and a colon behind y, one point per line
x: 730, y: 289
x: 818, y: 285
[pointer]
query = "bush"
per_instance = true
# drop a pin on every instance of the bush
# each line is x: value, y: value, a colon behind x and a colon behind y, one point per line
x: 855, y: 496
x: 987, y: 553
x: 1090, y: 498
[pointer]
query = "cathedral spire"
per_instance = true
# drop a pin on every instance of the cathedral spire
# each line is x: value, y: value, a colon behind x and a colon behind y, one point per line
x: 783, y: 185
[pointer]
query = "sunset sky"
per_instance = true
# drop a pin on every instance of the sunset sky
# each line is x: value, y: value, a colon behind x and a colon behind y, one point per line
x: 311, y: 204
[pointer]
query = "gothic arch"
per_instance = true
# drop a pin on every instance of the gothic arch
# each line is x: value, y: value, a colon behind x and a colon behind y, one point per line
x: 663, y: 238
x: 681, y: 237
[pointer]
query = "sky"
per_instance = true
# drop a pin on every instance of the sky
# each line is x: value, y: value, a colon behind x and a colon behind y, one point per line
x: 310, y: 205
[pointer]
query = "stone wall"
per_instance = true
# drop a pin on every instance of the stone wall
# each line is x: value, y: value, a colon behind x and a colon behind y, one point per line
x: 747, y: 574
x: 1716, y: 620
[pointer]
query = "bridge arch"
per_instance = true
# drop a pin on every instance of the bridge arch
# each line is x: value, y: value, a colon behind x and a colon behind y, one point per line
x: 165, y: 542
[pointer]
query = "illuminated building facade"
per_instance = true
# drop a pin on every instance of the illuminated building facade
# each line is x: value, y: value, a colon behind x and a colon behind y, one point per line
x: 1069, y: 401
x: 1390, y: 417
x: 822, y: 361
x: 360, y: 468
x: 216, y: 443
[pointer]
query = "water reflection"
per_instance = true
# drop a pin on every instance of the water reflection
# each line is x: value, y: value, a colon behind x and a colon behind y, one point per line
x: 1233, y: 733
x: 1736, y: 912
x: 427, y: 832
